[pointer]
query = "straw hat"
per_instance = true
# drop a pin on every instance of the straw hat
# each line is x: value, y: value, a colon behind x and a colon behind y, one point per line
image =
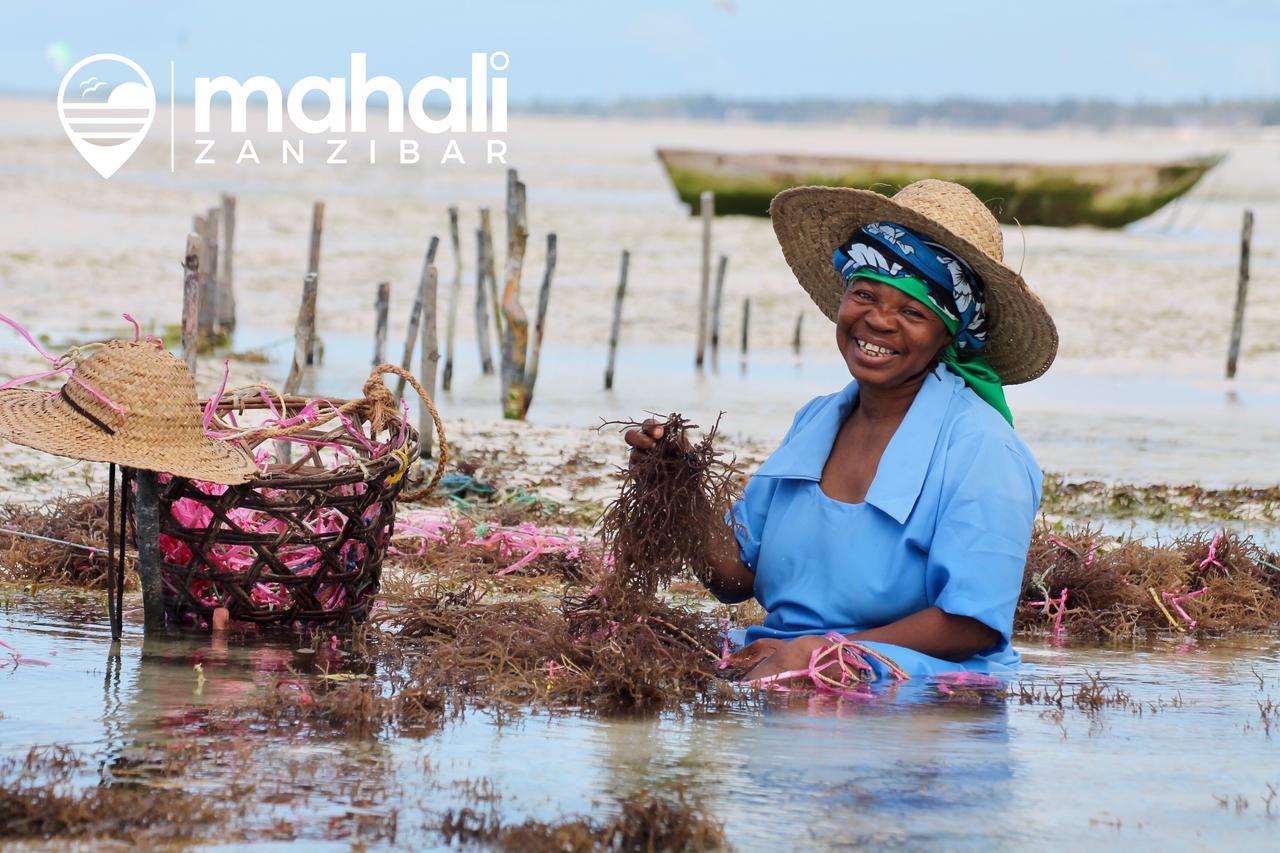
x: 160, y: 430
x: 812, y: 222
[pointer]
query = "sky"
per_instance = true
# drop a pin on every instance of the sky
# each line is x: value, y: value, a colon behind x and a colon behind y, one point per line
x: 1125, y: 50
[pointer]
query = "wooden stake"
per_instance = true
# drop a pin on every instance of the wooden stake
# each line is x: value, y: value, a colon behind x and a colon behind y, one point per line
x: 429, y: 362
x: 617, y: 320
x: 303, y: 332
x: 381, y: 307
x: 204, y: 327
x: 191, y: 301
x: 746, y: 322
x: 795, y: 340
x: 415, y: 315
x: 454, y: 293
x: 544, y: 299
x: 707, y: 207
x: 715, y: 305
x: 147, y: 528
x: 313, y: 268
x: 226, y: 285
x: 482, y: 306
x: 212, y: 222
x: 515, y: 339
x: 490, y: 271
x: 1242, y: 291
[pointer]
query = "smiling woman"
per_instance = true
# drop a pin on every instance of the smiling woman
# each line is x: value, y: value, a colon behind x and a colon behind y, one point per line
x: 897, y: 512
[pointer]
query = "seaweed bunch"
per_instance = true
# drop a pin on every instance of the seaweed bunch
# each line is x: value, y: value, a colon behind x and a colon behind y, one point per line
x: 1089, y: 586
x: 669, y: 514
x: 81, y: 520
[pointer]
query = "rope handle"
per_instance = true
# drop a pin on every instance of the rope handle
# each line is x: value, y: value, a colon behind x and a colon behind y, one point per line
x: 435, y: 418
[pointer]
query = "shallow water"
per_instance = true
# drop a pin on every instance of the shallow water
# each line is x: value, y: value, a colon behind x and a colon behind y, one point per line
x: 904, y: 770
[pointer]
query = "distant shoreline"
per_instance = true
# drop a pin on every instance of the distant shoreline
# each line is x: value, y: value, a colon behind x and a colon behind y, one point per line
x: 947, y: 112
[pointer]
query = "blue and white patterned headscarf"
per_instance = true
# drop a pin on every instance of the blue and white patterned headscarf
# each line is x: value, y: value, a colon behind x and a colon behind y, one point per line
x: 931, y: 273
x: 955, y: 292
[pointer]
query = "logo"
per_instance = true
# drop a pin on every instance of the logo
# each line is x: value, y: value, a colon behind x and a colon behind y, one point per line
x: 106, y: 104
x: 108, y: 110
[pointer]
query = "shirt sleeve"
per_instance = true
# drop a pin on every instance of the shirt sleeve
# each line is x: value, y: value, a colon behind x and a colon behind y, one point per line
x: 748, y: 513
x: 979, y: 548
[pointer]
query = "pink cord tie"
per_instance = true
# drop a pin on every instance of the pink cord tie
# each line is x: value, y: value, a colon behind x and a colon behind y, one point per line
x: 1212, y: 558
x: 1175, y: 600
x: 854, y: 674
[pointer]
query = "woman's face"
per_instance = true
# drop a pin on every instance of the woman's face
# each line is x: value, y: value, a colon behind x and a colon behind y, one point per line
x: 886, y: 337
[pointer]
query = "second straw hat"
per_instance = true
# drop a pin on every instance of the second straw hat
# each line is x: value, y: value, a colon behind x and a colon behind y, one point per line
x: 130, y: 403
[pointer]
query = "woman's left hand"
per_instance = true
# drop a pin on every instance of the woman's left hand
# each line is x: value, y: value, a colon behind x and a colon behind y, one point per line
x: 770, y: 656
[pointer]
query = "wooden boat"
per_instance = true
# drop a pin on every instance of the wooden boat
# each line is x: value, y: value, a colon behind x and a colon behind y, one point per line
x: 1107, y: 195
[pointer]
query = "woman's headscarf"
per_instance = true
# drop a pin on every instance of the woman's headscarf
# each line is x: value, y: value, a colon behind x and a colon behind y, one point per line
x: 930, y: 273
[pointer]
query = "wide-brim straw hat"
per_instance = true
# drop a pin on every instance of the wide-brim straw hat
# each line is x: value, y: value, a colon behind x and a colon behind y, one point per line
x: 812, y: 222
x: 161, y: 428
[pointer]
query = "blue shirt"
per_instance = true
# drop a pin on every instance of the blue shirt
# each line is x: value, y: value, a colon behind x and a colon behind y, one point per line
x: 946, y: 523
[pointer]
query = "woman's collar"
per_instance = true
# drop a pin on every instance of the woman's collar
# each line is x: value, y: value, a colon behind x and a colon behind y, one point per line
x: 905, y: 462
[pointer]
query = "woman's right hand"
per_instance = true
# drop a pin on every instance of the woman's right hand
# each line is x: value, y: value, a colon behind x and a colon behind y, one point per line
x: 645, y: 438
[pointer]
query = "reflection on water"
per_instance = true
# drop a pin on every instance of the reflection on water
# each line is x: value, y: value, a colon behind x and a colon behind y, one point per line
x: 905, y: 770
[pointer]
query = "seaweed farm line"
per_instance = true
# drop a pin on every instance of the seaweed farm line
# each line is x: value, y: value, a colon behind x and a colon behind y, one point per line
x: 1178, y: 745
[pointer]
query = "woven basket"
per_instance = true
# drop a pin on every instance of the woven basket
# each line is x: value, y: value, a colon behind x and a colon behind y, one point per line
x: 301, y: 543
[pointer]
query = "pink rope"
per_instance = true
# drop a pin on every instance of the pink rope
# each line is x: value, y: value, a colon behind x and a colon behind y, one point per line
x: 1061, y: 543
x: 1061, y: 602
x: 17, y: 658
x: 21, y: 331
x: 212, y: 405
x: 949, y: 683
x: 1175, y: 601
x: 854, y: 674
x: 98, y: 395
x: 1212, y: 558
x: 60, y: 365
